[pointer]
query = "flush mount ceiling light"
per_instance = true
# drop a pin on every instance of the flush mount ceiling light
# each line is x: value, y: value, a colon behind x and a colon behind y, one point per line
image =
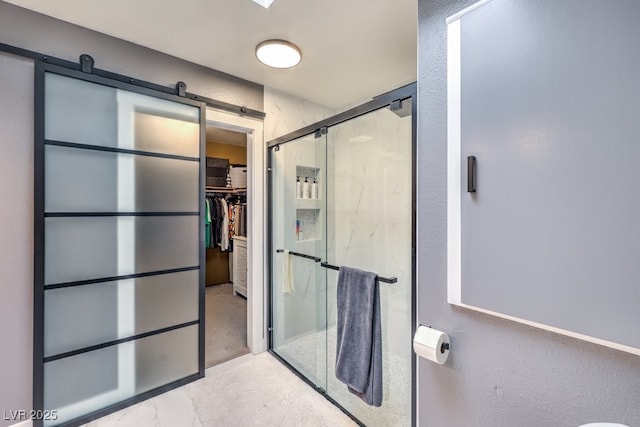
x: 278, y: 53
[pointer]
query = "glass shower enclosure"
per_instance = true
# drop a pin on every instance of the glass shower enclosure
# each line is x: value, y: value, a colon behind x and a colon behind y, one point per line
x: 341, y: 194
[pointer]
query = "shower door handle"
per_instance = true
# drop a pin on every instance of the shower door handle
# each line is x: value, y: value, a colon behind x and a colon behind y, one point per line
x: 471, y: 174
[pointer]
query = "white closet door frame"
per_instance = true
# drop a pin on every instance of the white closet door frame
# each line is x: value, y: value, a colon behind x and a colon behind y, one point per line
x: 257, y: 212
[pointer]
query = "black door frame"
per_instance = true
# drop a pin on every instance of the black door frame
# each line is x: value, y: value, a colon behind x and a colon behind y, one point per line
x: 39, y: 235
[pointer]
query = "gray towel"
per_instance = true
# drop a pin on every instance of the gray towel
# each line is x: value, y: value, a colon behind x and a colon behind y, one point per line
x: 359, y: 347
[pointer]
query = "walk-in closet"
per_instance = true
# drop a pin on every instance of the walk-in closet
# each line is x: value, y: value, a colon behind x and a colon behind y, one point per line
x: 226, y: 245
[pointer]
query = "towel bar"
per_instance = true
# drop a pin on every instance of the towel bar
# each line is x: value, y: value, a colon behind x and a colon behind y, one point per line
x: 333, y: 267
x: 313, y: 258
x: 380, y: 278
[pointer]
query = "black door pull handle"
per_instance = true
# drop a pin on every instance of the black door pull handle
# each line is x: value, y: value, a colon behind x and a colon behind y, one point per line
x: 471, y: 174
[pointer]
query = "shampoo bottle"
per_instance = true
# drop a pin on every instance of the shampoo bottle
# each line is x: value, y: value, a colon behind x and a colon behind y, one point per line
x: 298, y: 189
x: 314, y: 189
x: 305, y: 188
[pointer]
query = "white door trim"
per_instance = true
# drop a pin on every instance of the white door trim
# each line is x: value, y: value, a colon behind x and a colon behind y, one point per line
x: 257, y: 212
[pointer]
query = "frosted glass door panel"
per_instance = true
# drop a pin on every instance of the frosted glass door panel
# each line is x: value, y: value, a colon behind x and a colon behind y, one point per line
x: 166, y: 134
x: 118, y: 243
x: 76, y: 379
x: 166, y: 357
x: 82, y: 316
x: 79, y: 111
x: 90, y: 381
x: 101, y: 247
x: 369, y: 226
x: 87, y: 113
x: 298, y: 300
x: 94, y: 181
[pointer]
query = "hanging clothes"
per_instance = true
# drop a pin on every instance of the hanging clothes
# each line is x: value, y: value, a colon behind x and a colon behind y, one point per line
x: 232, y: 221
x: 241, y: 219
x: 218, y: 222
x: 207, y: 224
x: 213, y: 222
x: 225, y: 217
x: 224, y: 231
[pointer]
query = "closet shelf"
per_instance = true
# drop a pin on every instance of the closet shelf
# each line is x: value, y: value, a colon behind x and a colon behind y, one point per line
x: 225, y: 190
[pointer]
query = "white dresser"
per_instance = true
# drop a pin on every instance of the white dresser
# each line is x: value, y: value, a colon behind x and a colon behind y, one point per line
x: 240, y: 265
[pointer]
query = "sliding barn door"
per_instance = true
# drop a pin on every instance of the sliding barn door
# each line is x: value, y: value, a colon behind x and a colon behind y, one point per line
x: 118, y: 241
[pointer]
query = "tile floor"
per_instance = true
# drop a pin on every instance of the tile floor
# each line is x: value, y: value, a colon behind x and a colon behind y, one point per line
x: 309, y: 354
x: 247, y: 391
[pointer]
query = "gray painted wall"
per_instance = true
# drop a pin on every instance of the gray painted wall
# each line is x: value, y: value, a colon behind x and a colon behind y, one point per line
x: 16, y: 233
x: 499, y: 373
x: 36, y: 32
x: 33, y: 31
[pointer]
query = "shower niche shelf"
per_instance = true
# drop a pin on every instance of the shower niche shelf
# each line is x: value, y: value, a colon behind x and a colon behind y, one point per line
x: 311, y: 174
x: 307, y: 209
x: 307, y: 225
x: 308, y: 204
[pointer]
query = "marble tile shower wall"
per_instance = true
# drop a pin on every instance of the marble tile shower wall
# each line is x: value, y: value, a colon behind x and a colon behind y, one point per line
x: 286, y: 113
x: 369, y: 211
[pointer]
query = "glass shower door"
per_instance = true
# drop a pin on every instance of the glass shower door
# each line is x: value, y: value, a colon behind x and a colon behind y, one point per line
x: 298, y: 295
x: 361, y: 217
x: 369, y: 227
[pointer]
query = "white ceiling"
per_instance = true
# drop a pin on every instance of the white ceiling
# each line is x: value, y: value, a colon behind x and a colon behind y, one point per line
x: 352, y: 49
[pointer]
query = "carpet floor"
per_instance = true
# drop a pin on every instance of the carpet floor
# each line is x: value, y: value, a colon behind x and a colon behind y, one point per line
x: 225, y: 325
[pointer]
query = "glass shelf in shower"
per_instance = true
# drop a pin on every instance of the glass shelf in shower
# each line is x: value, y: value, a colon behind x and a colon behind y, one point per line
x: 308, y: 203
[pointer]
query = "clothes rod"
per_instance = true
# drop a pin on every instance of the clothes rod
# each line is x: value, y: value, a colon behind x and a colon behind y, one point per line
x: 316, y: 259
x: 380, y: 278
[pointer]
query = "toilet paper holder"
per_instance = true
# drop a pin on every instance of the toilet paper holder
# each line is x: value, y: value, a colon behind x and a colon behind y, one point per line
x: 445, y: 345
